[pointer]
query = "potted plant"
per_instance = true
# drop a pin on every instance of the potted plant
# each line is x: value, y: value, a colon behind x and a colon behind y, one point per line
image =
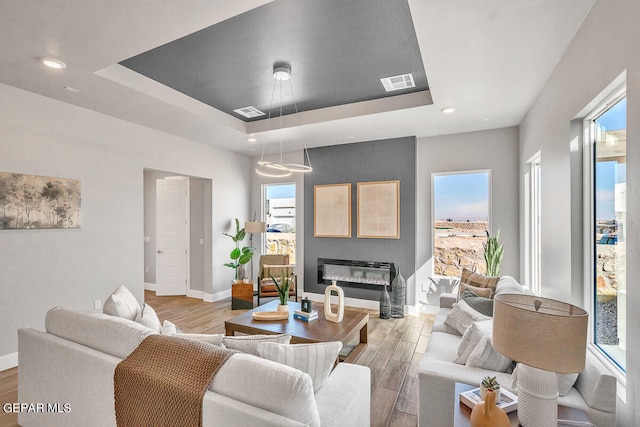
x: 239, y: 256
x: 493, y: 252
x: 283, y: 291
x: 490, y: 383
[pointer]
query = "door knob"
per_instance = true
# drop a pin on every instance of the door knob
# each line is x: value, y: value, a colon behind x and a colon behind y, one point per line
x: 160, y: 252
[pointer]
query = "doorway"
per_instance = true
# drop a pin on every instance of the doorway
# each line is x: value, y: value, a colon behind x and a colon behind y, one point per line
x: 165, y: 273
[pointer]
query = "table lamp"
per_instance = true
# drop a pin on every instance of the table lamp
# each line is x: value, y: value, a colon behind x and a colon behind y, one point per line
x: 545, y: 337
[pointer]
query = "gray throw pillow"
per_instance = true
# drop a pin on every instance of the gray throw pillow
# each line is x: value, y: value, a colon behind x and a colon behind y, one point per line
x: 480, y: 304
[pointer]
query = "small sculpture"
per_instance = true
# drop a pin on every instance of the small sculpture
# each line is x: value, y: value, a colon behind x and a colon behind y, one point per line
x: 328, y: 313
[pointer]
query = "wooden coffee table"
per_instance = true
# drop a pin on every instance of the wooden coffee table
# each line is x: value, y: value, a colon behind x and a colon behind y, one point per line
x: 352, y: 327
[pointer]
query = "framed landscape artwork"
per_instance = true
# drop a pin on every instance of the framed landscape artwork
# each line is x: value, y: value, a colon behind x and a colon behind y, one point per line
x: 379, y: 210
x: 38, y: 202
x: 332, y: 210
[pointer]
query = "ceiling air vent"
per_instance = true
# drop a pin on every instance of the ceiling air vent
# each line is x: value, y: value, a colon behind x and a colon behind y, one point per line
x: 249, y: 112
x: 403, y: 81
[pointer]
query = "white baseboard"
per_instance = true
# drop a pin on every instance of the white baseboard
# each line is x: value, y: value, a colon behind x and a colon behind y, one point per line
x: 218, y: 296
x: 8, y: 361
x: 207, y: 297
x: 195, y: 294
x: 150, y: 286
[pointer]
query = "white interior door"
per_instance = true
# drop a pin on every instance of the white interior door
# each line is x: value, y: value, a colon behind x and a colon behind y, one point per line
x: 172, y: 236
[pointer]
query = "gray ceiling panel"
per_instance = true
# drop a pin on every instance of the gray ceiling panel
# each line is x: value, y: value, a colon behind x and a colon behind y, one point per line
x: 338, y: 51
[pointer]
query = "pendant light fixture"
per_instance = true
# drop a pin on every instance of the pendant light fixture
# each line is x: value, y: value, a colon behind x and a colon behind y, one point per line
x: 281, y: 73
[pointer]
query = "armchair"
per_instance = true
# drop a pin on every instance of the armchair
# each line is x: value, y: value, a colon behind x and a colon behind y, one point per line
x: 275, y: 265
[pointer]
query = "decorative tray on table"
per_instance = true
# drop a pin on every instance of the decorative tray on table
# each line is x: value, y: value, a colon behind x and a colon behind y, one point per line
x: 270, y: 315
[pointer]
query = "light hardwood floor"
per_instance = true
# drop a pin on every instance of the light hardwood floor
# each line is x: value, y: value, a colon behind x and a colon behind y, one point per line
x: 393, y: 352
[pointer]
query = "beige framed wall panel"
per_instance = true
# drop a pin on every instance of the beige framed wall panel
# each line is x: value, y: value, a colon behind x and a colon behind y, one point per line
x: 379, y: 210
x: 332, y: 210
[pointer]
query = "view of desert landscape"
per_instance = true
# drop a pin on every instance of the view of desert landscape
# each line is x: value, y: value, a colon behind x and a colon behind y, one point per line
x: 458, y: 245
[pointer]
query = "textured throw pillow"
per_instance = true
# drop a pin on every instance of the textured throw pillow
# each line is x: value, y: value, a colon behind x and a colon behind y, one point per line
x: 122, y: 303
x: 565, y: 382
x: 462, y: 316
x: 317, y: 360
x: 483, y: 292
x: 215, y: 339
x: 249, y: 343
x: 148, y: 317
x: 471, y: 338
x: 486, y: 357
x: 169, y: 328
x: 478, y: 303
x: 468, y: 277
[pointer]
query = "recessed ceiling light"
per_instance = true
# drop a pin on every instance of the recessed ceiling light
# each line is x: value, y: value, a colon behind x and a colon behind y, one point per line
x: 252, y: 139
x: 447, y: 110
x: 71, y: 89
x: 53, y: 63
x: 486, y: 119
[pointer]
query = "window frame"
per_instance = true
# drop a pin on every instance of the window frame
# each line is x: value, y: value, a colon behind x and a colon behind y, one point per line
x: 433, y: 211
x: 264, y: 213
x: 533, y: 201
x: 608, y: 102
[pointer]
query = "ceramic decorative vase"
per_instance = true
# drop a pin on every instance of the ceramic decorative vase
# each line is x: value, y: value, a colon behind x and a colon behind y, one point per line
x: 282, y: 307
x: 338, y: 315
x: 240, y: 273
x: 487, y: 414
x: 385, y: 304
x: 398, y: 295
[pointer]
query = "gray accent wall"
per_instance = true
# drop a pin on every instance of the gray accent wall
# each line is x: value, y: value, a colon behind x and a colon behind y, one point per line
x: 391, y: 159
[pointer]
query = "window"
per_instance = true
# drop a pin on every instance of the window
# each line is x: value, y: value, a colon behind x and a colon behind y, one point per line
x: 532, y: 208
x: 460, y: 221
x: 280, y: 214
x: 606, y: 131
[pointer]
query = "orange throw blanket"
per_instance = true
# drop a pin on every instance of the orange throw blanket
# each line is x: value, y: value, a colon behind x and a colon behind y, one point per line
x: 163, y: 381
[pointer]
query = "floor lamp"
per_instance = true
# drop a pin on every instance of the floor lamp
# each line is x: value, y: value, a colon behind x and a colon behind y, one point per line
x: 545, y: 337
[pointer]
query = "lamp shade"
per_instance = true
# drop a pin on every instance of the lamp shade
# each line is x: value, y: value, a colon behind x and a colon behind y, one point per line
x: 540, y: 332
x: 255, y: 226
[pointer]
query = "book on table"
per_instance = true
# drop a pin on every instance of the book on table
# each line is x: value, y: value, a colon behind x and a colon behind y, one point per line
x: 304, y: 316
x: 508, y: 401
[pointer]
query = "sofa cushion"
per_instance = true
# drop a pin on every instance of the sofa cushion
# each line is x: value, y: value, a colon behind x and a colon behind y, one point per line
x: 249, y: 343
x: 509, y: 285
x: 479, y: 303
x: 442, y: 346
x: 462, y: 316
x: 471, y: 338
x: 268, y: 385
x: 109, y: 334
x: 122, y: 303
x: 486, y: 357
x: 483, y: 292
x: 148, y: 317
x: 565, y: 382
x: 316, y: 359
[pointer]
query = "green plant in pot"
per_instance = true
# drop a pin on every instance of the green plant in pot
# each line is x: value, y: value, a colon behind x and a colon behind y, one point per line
x: 493, y: 253
x: 490, y: 383
x: 239, y: 256
x: 283, y: 290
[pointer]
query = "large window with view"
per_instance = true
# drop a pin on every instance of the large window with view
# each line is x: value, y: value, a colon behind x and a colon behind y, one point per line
x: 280, y: 215
x: 461, y: 203
x: 607, y: 130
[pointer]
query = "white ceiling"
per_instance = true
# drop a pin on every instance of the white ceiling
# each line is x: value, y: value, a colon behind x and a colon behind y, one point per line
x: 488, y: 59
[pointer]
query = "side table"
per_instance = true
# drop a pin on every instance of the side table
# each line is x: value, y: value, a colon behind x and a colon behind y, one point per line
x: 241, y: 296
x: 461, y: 413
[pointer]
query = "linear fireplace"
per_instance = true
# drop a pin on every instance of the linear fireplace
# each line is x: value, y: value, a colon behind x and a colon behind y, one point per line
x: 356, y: 274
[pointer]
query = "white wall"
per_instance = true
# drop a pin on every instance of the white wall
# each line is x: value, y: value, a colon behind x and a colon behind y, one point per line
x: 604, y: 47
x: 493, y: 149
x: 43, y: 268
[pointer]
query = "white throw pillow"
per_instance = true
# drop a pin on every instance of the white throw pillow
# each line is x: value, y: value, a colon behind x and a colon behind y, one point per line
x: 317, y: 359
x: 462, y: 316
x: 471, y: 338
x: 249, y: 343
x: 122, y: 303
x: 565, y: 382
x: 148, y: 317
x: 215, y: 339
x: 509, y: 285
x: 486, y: 357
x: 169, y: 328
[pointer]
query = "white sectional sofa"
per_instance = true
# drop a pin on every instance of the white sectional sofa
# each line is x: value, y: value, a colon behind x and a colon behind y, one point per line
x: 594, y: 391
x: 73, y: 363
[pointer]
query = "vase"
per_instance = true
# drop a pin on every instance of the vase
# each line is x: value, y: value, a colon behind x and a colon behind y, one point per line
x: 329, y: 314
x: 488, y: 414
x: 398, y: 295
x: 282, y: 307
x: 385, y: 303
x: 240, y: 273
